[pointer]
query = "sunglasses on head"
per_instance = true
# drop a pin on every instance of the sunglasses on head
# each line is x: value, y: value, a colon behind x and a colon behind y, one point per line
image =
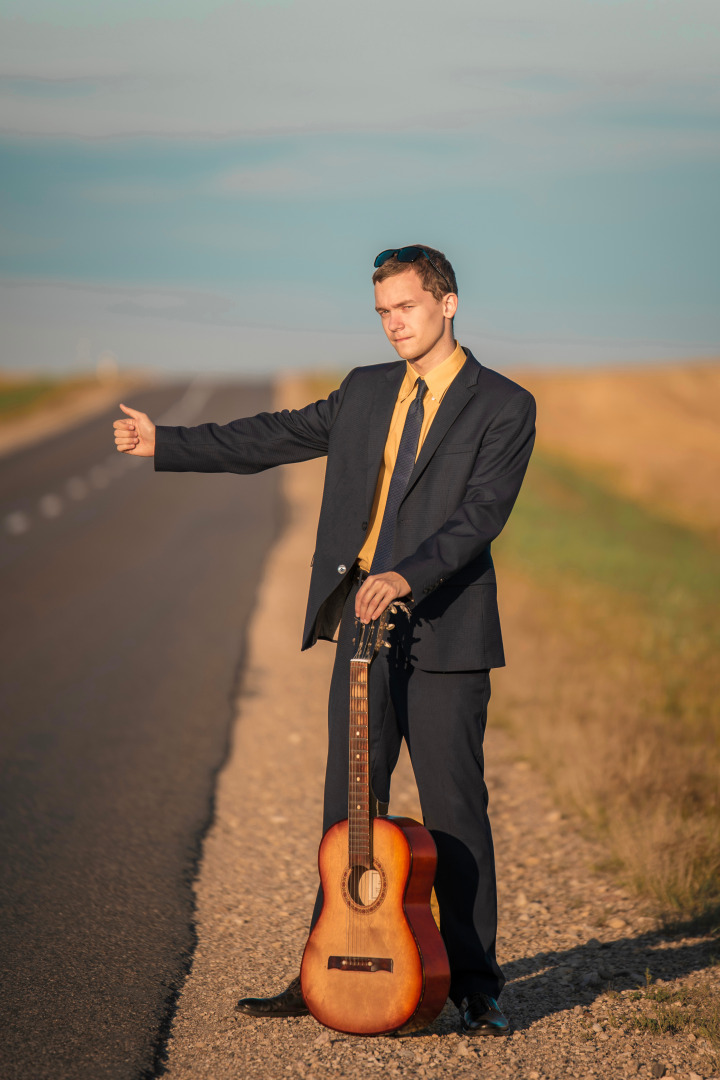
x: 409, y: 255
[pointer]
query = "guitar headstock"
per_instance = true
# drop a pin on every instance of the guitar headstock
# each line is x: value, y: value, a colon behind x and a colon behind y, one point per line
x: 370, y: 638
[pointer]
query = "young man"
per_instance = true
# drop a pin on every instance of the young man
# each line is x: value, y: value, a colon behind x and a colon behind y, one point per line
x: 425, y: 458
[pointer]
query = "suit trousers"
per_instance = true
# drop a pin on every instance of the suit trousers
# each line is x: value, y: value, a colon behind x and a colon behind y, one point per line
x: 442, y: 717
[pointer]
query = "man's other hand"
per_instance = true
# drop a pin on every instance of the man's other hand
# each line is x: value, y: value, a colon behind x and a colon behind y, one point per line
x: 135, y: 436
x: 377, y: 592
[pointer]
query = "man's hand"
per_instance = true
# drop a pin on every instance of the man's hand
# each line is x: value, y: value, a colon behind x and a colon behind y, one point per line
x: 135, y: 436
x: 378, y: 592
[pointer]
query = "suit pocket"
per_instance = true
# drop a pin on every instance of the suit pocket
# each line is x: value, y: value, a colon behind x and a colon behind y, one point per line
x: 469, y: 579
x: 457, y: 448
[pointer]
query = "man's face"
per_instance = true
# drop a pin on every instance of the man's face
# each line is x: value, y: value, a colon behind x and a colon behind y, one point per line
x: 412, y: 318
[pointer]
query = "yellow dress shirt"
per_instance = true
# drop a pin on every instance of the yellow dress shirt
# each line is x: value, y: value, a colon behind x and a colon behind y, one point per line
x: 437, y: 381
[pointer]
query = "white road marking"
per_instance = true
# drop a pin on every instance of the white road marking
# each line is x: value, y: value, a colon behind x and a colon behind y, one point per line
x: 76, y: 488
x: 17, y: 523
x: 116, y: 464
x: 99, y: 476
x: 50, y: 506
x: 186, y: 409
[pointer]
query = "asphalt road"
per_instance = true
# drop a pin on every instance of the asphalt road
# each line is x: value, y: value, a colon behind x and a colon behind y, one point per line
x: 124, y: 597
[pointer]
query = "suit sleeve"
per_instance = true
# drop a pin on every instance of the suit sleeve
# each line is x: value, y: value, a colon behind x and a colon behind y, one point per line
x: 253, y: 443
x: 489, y: 497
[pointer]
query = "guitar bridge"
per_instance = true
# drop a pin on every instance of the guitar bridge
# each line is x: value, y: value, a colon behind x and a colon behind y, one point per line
x: 360, y: 963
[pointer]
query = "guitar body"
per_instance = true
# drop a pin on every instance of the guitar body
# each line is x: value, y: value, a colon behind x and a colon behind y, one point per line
x: 375, y: 961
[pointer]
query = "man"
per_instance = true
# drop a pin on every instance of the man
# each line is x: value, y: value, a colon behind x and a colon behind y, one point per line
x: 425, y: 458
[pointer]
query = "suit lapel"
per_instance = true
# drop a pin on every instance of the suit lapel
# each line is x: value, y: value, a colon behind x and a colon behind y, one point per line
x: 386, y: 392
x: 460, y: 391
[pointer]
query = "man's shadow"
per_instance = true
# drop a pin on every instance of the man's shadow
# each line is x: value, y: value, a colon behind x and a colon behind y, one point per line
x: 556, y: 980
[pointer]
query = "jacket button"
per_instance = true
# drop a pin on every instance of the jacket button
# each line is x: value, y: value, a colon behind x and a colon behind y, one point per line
x: 342, y: 569
x: 364, y: 526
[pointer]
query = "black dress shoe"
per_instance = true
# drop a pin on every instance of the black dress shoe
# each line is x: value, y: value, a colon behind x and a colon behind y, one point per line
x: 480, y: 1015
x: 289, y: 1003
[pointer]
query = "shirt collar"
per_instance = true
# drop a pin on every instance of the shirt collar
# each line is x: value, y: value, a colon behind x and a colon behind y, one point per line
x: 437, y: 380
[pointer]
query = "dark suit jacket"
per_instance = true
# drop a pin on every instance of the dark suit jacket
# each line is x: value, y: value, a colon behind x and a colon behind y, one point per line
x: 461, y: 491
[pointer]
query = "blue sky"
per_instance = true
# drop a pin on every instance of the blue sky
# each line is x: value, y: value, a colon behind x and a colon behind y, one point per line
x: 203, y: 185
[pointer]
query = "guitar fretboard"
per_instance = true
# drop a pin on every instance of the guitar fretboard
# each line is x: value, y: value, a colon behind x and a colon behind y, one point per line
x: 358, y: 767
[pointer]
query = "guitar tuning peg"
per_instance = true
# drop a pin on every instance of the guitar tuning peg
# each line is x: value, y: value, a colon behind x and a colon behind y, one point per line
x: 391, y: 626
x: 386, y: 644
x: 393, y: 609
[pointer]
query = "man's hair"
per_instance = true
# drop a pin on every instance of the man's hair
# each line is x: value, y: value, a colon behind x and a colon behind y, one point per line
x: 439, y: 284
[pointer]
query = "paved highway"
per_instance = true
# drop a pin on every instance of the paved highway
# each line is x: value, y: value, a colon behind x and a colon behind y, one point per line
x: 124, y: 597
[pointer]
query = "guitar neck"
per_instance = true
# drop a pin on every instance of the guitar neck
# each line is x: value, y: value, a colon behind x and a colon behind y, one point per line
x: 359, y: 817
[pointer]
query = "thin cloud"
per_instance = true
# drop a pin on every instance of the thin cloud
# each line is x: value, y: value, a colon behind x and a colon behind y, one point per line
x: 321, y: 66
x: 125, y: 193
x: 352, y: 167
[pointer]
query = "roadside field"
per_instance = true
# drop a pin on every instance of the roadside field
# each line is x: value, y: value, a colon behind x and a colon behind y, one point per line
x: 651, y: 433
x: 20, y: 395
x: 35, y: 407
x: 610, y: 602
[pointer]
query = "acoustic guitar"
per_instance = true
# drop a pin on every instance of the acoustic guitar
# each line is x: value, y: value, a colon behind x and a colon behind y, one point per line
x: 375, y: 961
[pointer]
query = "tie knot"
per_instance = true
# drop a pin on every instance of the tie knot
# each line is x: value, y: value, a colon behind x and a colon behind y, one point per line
x: 421, y: 388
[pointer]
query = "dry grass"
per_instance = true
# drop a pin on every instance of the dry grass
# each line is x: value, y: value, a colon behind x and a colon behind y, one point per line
x: 677, y: 1011
x: 33, y: 408
x: 22, y: 395
x: 601, y: 714
x: 611, y: 617
x: 652, y: 433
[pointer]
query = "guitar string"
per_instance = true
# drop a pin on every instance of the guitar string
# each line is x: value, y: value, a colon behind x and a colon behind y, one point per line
x: 359, y: 791
x: 362, y: 799
x: 355, y: 814
x: 357, y: 838
x: 363, y: 794
x: 349, y: 912
x: 355, y: 818
x: 359, y: 817
x: 352, y: 800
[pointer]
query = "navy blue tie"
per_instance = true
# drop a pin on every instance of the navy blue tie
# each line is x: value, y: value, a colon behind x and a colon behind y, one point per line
x: 404, y: 464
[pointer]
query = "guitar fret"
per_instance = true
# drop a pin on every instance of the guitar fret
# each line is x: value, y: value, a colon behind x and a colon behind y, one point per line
x: 359, y: 816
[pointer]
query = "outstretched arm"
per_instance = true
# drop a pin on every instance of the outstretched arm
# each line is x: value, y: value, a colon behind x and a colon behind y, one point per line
x: 248, y: 445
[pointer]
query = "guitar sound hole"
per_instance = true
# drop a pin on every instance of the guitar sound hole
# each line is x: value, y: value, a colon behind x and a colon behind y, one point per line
x: 364, y: 887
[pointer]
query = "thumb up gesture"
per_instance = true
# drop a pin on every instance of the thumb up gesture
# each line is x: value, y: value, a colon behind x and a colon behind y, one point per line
x: 135, y: 435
